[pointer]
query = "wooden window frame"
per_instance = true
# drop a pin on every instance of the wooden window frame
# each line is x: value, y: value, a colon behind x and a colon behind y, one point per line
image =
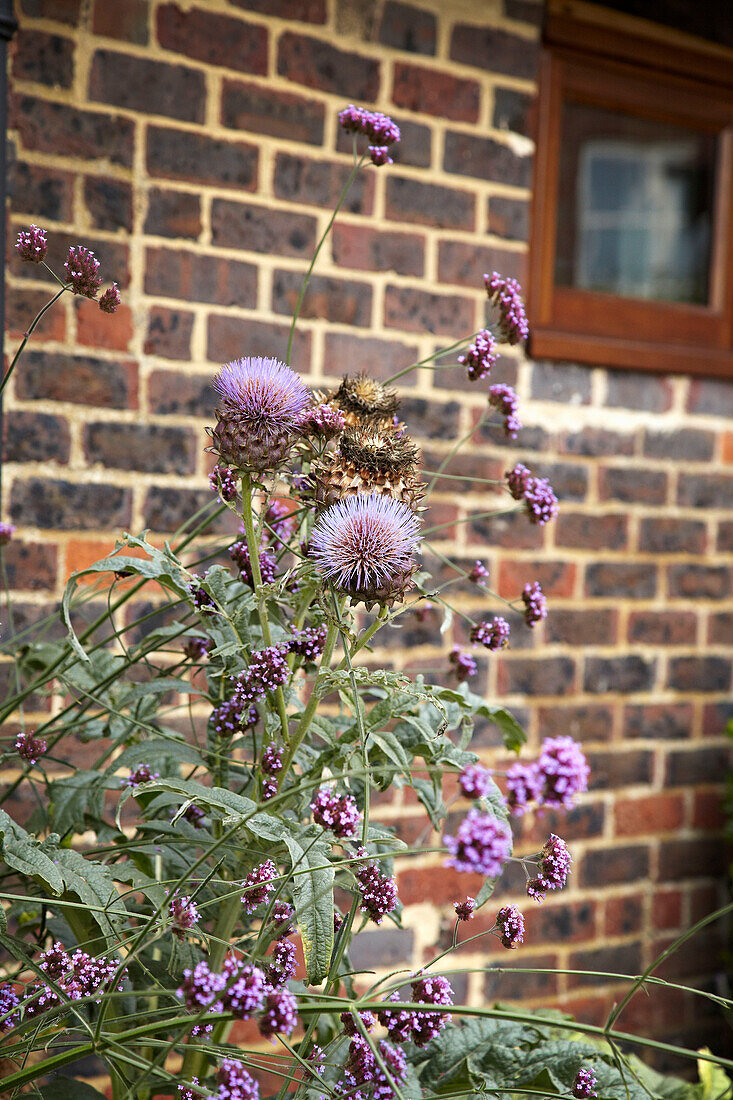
x: 597, y: 58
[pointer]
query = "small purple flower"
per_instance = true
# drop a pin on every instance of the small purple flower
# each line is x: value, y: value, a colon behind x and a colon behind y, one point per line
x: 30, y: 748
x: 510, y: 924
x: 233, y: 716
x: 503, y: 398
x: 185, y: 1093
x: 481, y: 356
x: 398, y: 1021
x: 282, y: 916
x: 505, y: 294
x: 536, y: 492
x: 32, y: 244
x: 7, y: 530
x: 272, y: 759
x: 464, y: 665
x: 475, y: 781
x: 430, y: 990
x: 339, y: 813
x: 246, y: 988
x: 194, y: 815
x: 267, y: 671
x: 184, y: 915
x: 280, y: 1014
x: 239, y: 553
x: 379, y: 128
x: 483, y: 844
x: 524, y: 786
x: 110, y: 300
x: 82, y: 272
x: 143, y: 773
x: 479, y: 573
x: 465, y: 909
x: 363, y: 1075
x: 378, y: 892
x: 282, y: 964
x: 224, y: 483
x: 368, y: 1019
x: 201, y: 986
x: 535, y: 604
x: 324, y: 421
x: 379, y: 155
x: 518, y: 481
x: 564, y: 770
x: 9, y: 1001
x: 258, y: 885
x: 554, y: 863
x: 234, y: 1082
x: 202, y: 601
x: 308, y: 643
x: 269, y: 787
x: 584, y: 1083
x: 197, y: 648
x: 492, y: 633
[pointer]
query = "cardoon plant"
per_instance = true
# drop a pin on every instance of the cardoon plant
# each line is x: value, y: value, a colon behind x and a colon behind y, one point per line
x: 212, y: 865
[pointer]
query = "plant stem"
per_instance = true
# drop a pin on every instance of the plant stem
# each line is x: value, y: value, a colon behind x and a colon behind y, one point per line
x: 429, y: 358
x: 27, y: 335
x: 312, y: 704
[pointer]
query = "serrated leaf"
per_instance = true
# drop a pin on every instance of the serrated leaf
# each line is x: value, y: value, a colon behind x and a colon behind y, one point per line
x: 233, y: 807
x: 313, y: 900
x: 91, y: 883
x: 72, y: 797
x: 23, y: 853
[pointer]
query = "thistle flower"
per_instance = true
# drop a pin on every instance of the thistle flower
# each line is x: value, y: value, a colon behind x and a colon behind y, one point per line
x: 364, y: 545
x: 369, y: 459
x: 505, y: 294
x: 464, y: 665
x: 504, y: 399
x: 584, y: 1083
x: 258, y: 885
x: 339, y: 813
x: 184, y: 915
x: 363, y: 400
x: 30, y: 748
x: 110, y: 300
x: 378, y: 892
x: 483, y: 844
x: 481, y: 356
x: 535, y: 604
x: 465, y: 909
x: 7, y: 530
x: 510, y: 924
x: 82, y: 272
x: 262, y: 405
x: 492, y: 633
x: 475, y: 781
x: 32, y: 244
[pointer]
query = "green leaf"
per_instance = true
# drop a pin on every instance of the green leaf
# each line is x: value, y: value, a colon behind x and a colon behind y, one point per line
x: 91, y: 883
x: 23, y: 853
x: 313, y: 899
x: 70, y: 799
x: 66, y: 1088
x: 233, y: 807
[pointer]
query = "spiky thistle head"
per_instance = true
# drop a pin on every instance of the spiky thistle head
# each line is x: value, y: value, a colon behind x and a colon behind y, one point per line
x: 262, y: 405
x: 364, y: 545
x: 362, y: 400
x: 371, y: 448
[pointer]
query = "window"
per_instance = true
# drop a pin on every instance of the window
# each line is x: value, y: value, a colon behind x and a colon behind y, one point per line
x: 632, y: 238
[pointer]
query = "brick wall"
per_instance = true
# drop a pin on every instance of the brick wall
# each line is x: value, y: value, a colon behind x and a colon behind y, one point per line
x: 195, y: 148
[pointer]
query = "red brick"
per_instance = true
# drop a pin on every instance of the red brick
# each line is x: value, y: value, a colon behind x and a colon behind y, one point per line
x: 419, y: 311
x: 128, y: 21
x: 699, y: 674
x: 169, y: 333
x: 419, y: 885
x: 584, y: 723
x: 685, y: 443
x: 707, y: 810
x: 623, y: 915
x: 152, y: 87
x: 622, y: 958
x: 263, y: 110
x: 493, y: 49
x: 508, y: 218
x: 172, y: 392
x: 633, y: 485
x: 560, y: 923
x: 711, y: 397
x: 344, y: 301
x: 366, y: 249
x: 228, y: 335
x: 557, y: 578
x: 727, y: 448
x: 510, y: 530
x: 605, y: 867
x: 147, y: 447
x: 667, y: 909
x: 175, y: 273
x: 562, y: 382
x: 672, y: 536
x: 514, y: 111
x: 63, y: 505
x: 592, y: 532
x: 63, y: 11
x: 59, y: 128
x: 662, y: 627
x: 695, y: 765
x: 612, y: 770
x: 109, y: 202
x: 344, y: 353
x: 303, y: 11
x: 464, y: 264
x: 542, y: 676
x: 173, y: 214
x: 626, y: 389
x: 653, y: 814
x: 520, y: 986
x: 30, y: 565
x: 43, y: 58
x: 41, y: 191
x: 429, y: 204
x: 182, y: 154
x: 582, y: 628
x: 626, y: 580
x: 698, y: 582
x: 403, y: 27
x: 720, y: 628
x: 95, y: 329
x: 82, y: 380
x: 431, y: 419
x: 435, y: 93
x: 22, y: 305
x: 703, y: 857
x: 593, y: 442
x: 705, y: 490
x: 318, y: 64
x: 485, y: 159
x: 618, y: 674
x: 321, y: 182
x: 659, y: 721
x: 34, y: 437
x: 212, y: 38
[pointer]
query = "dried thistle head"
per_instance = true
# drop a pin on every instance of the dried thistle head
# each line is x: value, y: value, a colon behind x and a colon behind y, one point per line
x: 363, y: 399
x: 373, y: 449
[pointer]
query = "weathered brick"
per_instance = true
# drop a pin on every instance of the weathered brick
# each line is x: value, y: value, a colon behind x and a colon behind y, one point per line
x: 63, y: 505
x: 652, y: 814
x: 431, y: 419
x: 372, y: 949
x: 95, y: 329
x: 30, y: 565
x: 569, y: 480
x: 259, y: 229
x: 595, y: 442
x: 435, y: 93
x: 403, y: 27
x: 512, y: 111
x: 320, y: 183
x: 699, y: 674
x: 359, y: 246
x: 181, y: 154
x: 524, y: 985
x: 584, y: 628
x: 672, y: 536
x: 667, y: 909
x: 624, y: 915
x: 710, y: 396
x: 720, y: 628
x: 692, y: 581
x: 622, y: 958
x: 688, y: 767
x: 429, y: 204
x: 347, y: 354
x: 508, y: 218
x: 592, y: 532
x: 175, y: 273
x: 708, y: 810
x: 464, y: 264
x: 684, y: 443
x: 561, y: 923
x: 342, y: 300
x: 303, y: 11
x: 42, y: 57
x: 141, y: 84
x: 531, y: 438
x: 485, y: 159
x: 415, y: 884
x: 628, y: 390
x: 563, y: 382
x: 544, y: 676
x: 591, y: 723
x: 166, y: 509
x: 41, y: 191
x: 35, y: 437
x: 128, y: 21
x: 659, y: 721
x: 613, y: 770
x: 215, y: 39
x: 148, y: 447
x: 510, y: 530
x: 181, y: 394
x: 81, y: 380
x: 62, y: 11
x: 725, y: 535
x: 109, y: 202
x: 173, y: 214
x: 419, y: 311
x: 494, y: 49
x: 525, y: 11
x: 705, y: 490
x: 228, y: 335
x: 580, y: 823
x: 318, y: 64
x: 169, y: 333
x: 662, y: 627
x: 557, y: 578
x: 618, y: 674
x: 633, y: 485
x: 22, y: 305
x: 627, y: 580
x: 703, y: 858
x: 259, y: 110
x: 606, y: 867
x: 59, y: 128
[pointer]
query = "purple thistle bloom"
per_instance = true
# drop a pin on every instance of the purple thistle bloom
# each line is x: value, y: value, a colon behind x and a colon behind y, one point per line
x: 492, y: 633
x: 324, y: 421
x: 481, y: 356
x: 272, y: 759
x: 239, y: 553
x: 82, y: 272
x: 201, y: 986
x: 510, y: 924
x: 30, y: 748
x: 535, y: 604
x: 267, y: 671
x: 282, y: 964
x: 245, y: 990
x: 258, y: 885
x: 7, y: 530
x: 110, y: 300
x: 479, y: 573
x: 564, y: 771
x: 224, y: 483
x: 430, y: 990
x: 519, y: 480
x: 483, y: 844
x: 368, y: 1019
x: 465, y: 909
x: 143, y: 773
x: 503, y: 398
x: 524, y: 786
x: 506, y: 295
x: 9, y: 1001
x: 339, y: 813
x: 197, y: 648
x: 234, y: 1082
x: 184, y: 914
x: 308, y: 643
x: 464, y: 665
x: 475, y: 781
x: 282, y: 916
x: 364, y: 545
x: 32, y: 244
x: 378, y: 892
x: 280, y: 1014
x: 584, y: 1083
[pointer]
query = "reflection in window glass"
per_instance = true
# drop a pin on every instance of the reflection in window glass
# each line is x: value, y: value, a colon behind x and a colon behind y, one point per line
x: 635, y: 206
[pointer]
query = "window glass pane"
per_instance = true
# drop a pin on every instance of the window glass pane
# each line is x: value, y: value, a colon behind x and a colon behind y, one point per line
x: 635, y: 207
